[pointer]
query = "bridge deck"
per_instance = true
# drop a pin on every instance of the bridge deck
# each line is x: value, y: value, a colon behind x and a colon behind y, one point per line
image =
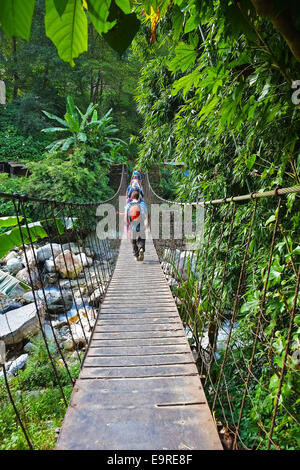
x: 139, y: 387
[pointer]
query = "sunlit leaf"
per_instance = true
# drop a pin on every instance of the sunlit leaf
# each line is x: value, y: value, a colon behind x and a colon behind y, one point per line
x: 10, y: 221
x: 69, y: 31
x: 98, y: 13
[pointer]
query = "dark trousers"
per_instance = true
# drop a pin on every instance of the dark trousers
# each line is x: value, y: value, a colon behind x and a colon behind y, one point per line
x: 137, y: 244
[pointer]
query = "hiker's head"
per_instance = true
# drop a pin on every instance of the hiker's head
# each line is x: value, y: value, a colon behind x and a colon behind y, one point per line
x: 135, y: 195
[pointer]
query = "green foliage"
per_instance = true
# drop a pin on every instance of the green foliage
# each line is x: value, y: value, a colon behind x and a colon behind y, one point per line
x: 74, y: 177
x: 16, y: 17
x: 15, y: 237
x: 37, y: 394
x: 20, y: 138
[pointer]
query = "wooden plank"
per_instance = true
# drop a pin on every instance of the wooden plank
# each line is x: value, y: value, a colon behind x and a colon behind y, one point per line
x: 120, y: 309
x: 139, y: 392
x: 139, y: 371
x: 137, y: 350
x: 138, y: 328
x: 138, y: 341
x: 139, y: 334
x: 136, y: 320
x: 138, y: 360
x: 138, y: 428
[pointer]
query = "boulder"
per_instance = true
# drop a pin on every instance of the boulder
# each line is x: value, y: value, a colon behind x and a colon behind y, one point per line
x: 10, y: 255
x: 48, y: 333
x: 54, y: 301
x: 49, y: 265
x: 50, y: 278
x: 71, y: 246
x: 17, y: 364
x: 24, y: 276
x: 31, y: 254
x: 14, y: 265
x: 10, y: 306
x: 167, y: 267
x: 81, y: 332
x: 88, y: 251
x: 68, y: 344
x: 85, y: 260
x: 28, y: 347
x: 18, y: 324
x: 45, y: 252
x: 68, y: 265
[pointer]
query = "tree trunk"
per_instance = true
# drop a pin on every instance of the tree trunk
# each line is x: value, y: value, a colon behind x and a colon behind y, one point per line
x: 282, y: 22
x: 92, y: 86
x: 15, y: 72
x: 45, y: 76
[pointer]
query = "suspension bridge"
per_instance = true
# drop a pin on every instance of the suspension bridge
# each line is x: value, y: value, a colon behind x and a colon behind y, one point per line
x: 141, y: 386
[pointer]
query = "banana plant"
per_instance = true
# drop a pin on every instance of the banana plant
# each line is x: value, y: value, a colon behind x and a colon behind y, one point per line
x: 18, y: 234
x: 8, y: 283
x: 71, y: 125
x: 85, y: 128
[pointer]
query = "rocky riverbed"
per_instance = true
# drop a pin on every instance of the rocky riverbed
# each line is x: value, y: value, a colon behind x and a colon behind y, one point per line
x: 67, y: 286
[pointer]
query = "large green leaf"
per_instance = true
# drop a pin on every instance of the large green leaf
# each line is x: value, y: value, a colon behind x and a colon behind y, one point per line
x: 68, y: 142
x: 69, y: 31
x: 124, y: 5
x: 58, y: 119
x: 16, y: 17
x: 9, y: 282
x: 19, y: 235
x: 55, y: 129
x: 10, y: 221
x: 98, y: 12
x: 185, y: 57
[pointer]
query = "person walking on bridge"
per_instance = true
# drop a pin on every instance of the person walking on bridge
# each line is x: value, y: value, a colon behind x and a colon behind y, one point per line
x: 136, y: 221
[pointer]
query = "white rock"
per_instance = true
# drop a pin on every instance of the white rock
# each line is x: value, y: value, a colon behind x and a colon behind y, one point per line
x: 10, y: 255
x: 85, y: 260
x: 20, y: 323
x: 49, y: 265
x: 45, y: 252
x: 71, y: 246
x: 14, y: 265
x: 31, y: 254
x: 18, y: 364
x: 48, y: 333
x: 28, y: 347
x: 33, y: 279
x: 54, y: 301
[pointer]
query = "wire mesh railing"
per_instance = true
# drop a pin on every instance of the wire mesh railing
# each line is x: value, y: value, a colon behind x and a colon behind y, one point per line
x: 54, y: 272
x: 237, y: 292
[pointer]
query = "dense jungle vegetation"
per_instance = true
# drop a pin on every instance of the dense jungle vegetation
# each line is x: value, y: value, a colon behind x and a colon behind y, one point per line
x: 212, y: 84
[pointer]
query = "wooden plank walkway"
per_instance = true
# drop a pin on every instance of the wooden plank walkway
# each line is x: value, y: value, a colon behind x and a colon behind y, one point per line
x: 139, y: 387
